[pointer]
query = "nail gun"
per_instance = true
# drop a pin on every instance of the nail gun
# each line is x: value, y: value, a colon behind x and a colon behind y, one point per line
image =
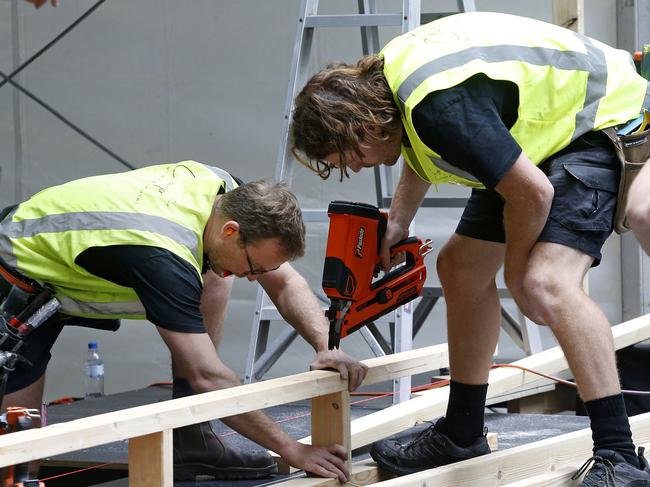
x: 12, y: 420
x: 352, y: 262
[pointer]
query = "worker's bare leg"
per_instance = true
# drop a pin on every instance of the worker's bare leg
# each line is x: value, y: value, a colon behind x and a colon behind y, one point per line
x: 29, y: 397
x: 555, y: 297
x: 467, y: 268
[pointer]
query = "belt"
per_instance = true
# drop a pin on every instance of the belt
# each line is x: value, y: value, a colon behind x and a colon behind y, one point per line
x: 10, y: 277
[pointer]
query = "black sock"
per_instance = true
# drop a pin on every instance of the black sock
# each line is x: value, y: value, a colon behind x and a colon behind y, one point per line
x: 610, y: 428
x: 181, y: 388
x: 465, y: 417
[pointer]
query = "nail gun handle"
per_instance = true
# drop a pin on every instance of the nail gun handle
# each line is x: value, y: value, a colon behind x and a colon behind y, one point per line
x: 410, y: 246
x: 403, y: 245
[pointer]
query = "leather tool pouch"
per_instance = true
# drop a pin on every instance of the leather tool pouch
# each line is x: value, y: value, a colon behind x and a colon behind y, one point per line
x: 633, y: 152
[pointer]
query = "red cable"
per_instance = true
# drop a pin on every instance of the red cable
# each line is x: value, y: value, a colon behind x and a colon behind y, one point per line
x: 77, y: 471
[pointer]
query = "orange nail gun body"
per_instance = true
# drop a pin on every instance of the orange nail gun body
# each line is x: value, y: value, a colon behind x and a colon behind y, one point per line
x: 351, y: 263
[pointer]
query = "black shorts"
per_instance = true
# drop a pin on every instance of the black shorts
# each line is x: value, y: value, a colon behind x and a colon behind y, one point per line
x: 37, y: 350
x: 585, y: 176
x: 39, y: 343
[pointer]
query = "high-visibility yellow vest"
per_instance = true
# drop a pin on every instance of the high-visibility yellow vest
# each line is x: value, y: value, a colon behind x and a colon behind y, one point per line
x: 164, y: 206
x: 569, y: 84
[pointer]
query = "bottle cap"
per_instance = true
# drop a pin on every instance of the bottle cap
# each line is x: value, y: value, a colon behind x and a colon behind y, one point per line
x: 92, y: 345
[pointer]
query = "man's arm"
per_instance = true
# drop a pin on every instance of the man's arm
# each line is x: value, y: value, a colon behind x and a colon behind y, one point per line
x: 410, y: 191
x: 299, y: 307
x: 528, y: 195
x: 638, y: 207
x: 195, y: 359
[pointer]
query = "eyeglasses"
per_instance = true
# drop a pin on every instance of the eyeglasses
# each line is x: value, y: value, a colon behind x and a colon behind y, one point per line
x: 322, y: 168
x: 252, y: 270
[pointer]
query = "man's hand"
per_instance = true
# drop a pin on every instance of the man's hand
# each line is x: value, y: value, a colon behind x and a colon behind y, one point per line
x: 394, y: 233
x: 40, y: 3
x: 324, y: 461
x: 350, y: 368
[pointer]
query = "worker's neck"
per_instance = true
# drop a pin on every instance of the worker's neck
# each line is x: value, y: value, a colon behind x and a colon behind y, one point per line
x: 213, y: 226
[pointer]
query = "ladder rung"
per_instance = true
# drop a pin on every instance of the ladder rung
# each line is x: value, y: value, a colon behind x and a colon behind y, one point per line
x: 353, y: 20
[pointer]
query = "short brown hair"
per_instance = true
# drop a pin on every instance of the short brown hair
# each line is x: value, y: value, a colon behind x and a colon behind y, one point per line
x: 337, y: 107
x: 266, y: 210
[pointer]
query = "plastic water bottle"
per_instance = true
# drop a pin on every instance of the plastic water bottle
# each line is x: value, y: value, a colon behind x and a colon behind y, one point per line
x: 94, y: 383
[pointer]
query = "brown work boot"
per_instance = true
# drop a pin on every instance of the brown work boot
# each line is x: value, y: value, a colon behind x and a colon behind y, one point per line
x: 199, y: 452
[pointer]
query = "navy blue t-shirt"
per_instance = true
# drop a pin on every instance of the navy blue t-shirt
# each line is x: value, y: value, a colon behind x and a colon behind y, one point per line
x: 468, y: 125
x: 169, y: 287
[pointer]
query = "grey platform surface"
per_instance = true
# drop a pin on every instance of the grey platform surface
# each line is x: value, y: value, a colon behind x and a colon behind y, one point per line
x: 512, y: 429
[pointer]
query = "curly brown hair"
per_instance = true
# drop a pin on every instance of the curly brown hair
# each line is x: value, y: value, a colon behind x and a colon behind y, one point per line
x: 336, y: 109
x: 266, y: 210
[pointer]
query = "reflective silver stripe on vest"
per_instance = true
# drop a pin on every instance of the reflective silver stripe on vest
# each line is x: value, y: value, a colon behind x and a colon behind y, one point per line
x: 596, y: 89
x: 69, y: 305
x: 95, y: 220
x: 6, y: 249
x: 228, y: 179
x: 445, y: 166
x: 593, y: 62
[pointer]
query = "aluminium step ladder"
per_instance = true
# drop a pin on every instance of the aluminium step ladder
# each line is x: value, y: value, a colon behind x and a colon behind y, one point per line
x: 406, y: 321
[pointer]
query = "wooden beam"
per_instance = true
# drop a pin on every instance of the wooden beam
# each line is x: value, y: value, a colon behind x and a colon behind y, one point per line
x: 330, y: 421
x: 546, y: 463
x: 60, y: 438
x: 432, y: 404
x: 569, y: 14
x: 362, y: 473
x: 518, y: 464
x: 150, y: 460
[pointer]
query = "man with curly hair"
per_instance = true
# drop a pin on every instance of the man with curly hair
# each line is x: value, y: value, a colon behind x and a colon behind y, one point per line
x: 513, y: 108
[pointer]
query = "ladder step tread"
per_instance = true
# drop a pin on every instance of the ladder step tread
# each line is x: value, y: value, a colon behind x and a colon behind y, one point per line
x: 353, y: 20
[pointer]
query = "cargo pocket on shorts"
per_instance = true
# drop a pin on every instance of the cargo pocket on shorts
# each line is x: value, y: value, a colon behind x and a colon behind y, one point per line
x: 585, y: 196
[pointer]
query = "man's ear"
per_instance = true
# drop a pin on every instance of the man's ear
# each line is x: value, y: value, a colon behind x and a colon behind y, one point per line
x: 229, y: 228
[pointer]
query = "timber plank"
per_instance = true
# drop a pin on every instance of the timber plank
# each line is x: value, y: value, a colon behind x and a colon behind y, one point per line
x: 152, y: 418
x: 433, y: 403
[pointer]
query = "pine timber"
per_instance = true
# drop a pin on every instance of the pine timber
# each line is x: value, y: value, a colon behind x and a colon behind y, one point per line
x: 330, y: 421
x: 150, y: 460
x: 569, y: 14
x: 547, y: 463
x: 154, y: 419
x: 431, y: 404
x: 87, y: 432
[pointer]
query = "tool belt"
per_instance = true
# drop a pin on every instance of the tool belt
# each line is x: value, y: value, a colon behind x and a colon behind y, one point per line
x: 633, y: 151
x: 24, y: 306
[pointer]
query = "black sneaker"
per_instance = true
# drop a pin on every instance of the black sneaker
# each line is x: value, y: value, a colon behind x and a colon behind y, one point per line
x: 611, y: 470
x: 430, y: 448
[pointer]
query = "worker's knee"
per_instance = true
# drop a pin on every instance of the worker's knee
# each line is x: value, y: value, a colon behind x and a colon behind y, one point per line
x: 638, y: 216
x: 205, y: 383
x: 452, y: 266
x: 458, y: 269
x: 542, y: 297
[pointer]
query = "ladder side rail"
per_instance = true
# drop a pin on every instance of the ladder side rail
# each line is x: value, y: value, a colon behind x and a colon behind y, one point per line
x: 301, y: 52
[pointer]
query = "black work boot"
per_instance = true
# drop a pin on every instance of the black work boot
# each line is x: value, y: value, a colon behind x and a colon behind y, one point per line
x: 413, y: 452
x: 611, y: 470
x: 199, y: 452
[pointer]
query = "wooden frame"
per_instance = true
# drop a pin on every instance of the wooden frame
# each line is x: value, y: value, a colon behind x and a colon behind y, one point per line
x: 149, y: 427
